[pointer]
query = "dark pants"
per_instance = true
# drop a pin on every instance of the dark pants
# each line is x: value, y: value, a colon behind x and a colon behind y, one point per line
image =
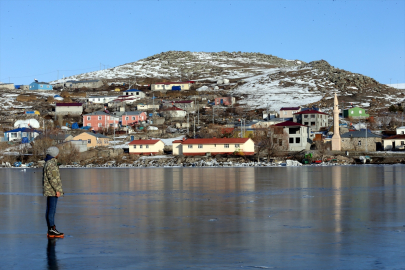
x: 51, y: 210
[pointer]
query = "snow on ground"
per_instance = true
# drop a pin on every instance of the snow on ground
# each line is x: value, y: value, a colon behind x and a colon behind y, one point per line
x: 170, y: 140
x: 261, y: 92
x: 397, y: 85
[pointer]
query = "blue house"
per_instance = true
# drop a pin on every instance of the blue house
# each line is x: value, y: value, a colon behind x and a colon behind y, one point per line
x: 40, y: 86
x: 24, y: 134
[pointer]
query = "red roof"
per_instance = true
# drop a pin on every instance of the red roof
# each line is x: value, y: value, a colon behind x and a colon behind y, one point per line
x: 174, y: 82
x: 177, y: 141
x: 144, y: 142
x: 289, y: 108
x: 215, y: 141
x: 288, y: 124
x: 310, y: 112
x: 400, y: 136
x: 68, y: 104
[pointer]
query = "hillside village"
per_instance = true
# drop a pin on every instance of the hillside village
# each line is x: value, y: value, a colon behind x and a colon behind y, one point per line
x: 224, y: 109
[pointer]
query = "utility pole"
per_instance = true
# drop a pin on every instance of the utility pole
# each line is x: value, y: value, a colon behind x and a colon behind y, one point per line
x: 194, y: 127
x: 198, y: 114
x: 188, y: 123
x: 366, y: 137
x: 213, y: 112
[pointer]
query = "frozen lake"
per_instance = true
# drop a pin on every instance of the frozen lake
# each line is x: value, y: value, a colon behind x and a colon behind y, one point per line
x: 350, y: 217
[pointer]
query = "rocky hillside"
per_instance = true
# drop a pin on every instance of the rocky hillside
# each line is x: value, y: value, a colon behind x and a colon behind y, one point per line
x: 260, y: 80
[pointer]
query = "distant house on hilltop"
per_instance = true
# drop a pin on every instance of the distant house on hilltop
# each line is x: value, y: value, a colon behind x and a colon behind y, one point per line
x: 40, y: 86
x: 176, y: 86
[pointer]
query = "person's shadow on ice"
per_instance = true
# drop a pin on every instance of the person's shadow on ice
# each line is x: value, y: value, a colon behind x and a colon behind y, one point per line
x: 51, y: 254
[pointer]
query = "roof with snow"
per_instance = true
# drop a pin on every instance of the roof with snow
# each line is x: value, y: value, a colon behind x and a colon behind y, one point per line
x: 289, y: 108
x: 288, y: 124
x: 214, y: 141
x: 310, y: 112
x: 137, y: 142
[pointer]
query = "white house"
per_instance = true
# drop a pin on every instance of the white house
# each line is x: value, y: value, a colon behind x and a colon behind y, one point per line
x: 214, y: 146
x: 134, y: 93
x: 174, y: 112
x: 101, y: 99
x: 146, y: 147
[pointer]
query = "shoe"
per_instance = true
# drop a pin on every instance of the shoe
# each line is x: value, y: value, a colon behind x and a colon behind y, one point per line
x: 54, y: 233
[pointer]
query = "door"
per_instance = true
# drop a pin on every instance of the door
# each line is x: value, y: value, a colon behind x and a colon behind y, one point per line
x: 393, y: 145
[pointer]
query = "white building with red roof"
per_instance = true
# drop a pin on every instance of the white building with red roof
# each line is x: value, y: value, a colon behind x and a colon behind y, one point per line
x: 288, y: 112
x: 298, y: 135
x: 214, y: 146
x: 174, y: 112
x: 146, y: 147
x: 312, y: 118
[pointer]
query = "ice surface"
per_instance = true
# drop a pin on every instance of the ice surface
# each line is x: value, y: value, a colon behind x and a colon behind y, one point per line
x: 282, y: 218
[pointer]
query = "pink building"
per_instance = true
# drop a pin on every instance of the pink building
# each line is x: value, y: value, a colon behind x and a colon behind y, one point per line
x: 100, y: 120
x: 225, y: 101
x: 129, y: 118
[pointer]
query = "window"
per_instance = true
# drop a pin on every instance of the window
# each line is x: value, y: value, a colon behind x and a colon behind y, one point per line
x: 88, y: 117
x: 237, y: 146
x: 137, y: 93
x: 99, y: 118
x: 402, y: 143
x: 312, y: 115
x: 275, y: 140
x: 312, y: 123
x: 190, y: 146
x: 297, y: 140
x: 360, y: 112
x: 280, y: 142
x: 226, y: 145
x: 99, y: 124
x: 351, y: 112
x: 306, y: 123
x: 89, y: 125
x: 291, y: 140
x: 285, y: 113
x: 147, y: 146
x: 359, y: 143
x: 89, y: 141
x: 140, y: 146
x: 40, y: 86
x: 134, y: 146
x: 200, y: 146
x: 133, y: 117
x: 305, y: 115
x: 126, y: 118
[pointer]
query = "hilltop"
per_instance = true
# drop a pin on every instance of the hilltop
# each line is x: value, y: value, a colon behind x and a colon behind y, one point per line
x: 259, y: 80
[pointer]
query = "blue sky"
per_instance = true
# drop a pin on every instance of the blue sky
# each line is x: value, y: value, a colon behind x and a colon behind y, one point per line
x: 38, y: 38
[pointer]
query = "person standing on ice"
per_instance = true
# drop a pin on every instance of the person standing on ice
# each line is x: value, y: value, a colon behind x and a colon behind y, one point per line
x: 52, y: 185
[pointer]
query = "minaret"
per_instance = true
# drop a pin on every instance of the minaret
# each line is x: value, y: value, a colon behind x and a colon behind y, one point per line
x: 336, y: 140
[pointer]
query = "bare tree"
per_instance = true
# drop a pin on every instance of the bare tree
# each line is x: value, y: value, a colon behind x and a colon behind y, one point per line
x: 68, y: 153
x: 270, y: 141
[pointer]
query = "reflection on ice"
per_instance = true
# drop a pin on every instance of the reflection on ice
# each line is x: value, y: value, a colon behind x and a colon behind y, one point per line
x: 302, y: 218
